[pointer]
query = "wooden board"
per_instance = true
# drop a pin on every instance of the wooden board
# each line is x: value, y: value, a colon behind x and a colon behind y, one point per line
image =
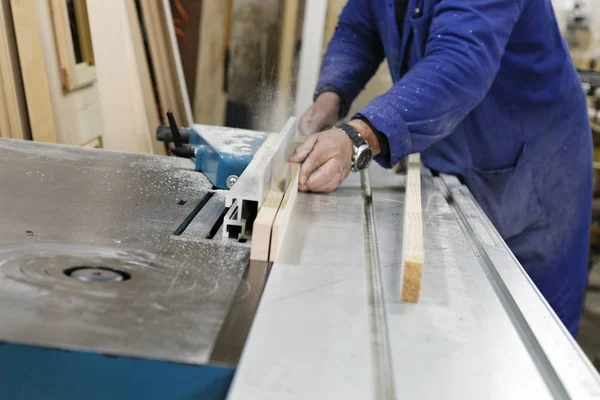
x: 162, y: 55
x: 33, y: 69
x: 287, y: 53
x: 210, y: 99
x: 263, y: 224
x: 12, y: 95
x: 141, y: 60
x: 127, y: 122
x: 412, y: 248
x: 284, y: 214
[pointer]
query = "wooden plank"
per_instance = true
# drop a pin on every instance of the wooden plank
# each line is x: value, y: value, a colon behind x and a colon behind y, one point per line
x: 263, y: 224
x: 176, y: 64
x: 11, y: 83
x: 33, y: 70
x: 124, y: 109
x: 284, y: 214
x: 210, y: 100
x: 287, y: 53
x: 141, y: 60
x: 163, y: 62
x: 412, y: 249
x: 313, y: 31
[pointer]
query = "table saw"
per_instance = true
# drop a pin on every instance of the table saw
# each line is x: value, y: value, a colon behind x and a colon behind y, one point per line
x: 119, y: 280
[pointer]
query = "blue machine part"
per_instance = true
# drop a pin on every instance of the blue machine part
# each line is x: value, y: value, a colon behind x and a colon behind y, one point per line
x: 33, y: 373
x: 222, y: 152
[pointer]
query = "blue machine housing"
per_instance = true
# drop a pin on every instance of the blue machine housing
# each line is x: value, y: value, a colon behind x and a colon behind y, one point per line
x: 32, y: 373
x: 222, y: 152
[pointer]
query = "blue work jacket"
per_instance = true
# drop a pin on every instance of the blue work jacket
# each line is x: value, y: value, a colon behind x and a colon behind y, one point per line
x: 485, y: 90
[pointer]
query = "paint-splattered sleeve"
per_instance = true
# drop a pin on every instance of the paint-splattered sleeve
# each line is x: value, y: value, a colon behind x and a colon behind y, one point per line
x: 353, y: 55
x: 462, y: 56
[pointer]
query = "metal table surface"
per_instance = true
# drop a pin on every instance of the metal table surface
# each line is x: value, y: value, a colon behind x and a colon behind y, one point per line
x: 480, y: 330
x: 63, y: 207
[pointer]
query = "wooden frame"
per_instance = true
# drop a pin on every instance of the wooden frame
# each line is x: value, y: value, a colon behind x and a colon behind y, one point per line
x: 73, y: 75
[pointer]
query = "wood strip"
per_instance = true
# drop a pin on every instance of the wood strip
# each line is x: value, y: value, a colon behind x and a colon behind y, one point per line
x: 210, y: 99
x: 263, y: 224
x: 412, y: 249
x: 33, y: 69
x: 141, y: 61
x: 284, y: 213
x: 176, y: 64
x: 287, y: 53
x: 162, y: 56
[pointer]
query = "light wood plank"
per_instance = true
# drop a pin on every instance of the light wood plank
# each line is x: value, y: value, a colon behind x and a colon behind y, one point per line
x: 125, y: 116
x: 287, y: 47
x: 412, y: 249
x: 210, y: 100
x: 263, y: 224
x: 33, y: 69
x: 141, y: 61
x: 163, y: 62
x: 284, y: 213
x: 84, y: 31
x: 11, y: 83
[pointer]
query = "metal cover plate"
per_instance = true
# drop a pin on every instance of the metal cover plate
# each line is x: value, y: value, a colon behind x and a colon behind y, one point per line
x: 64, y: 207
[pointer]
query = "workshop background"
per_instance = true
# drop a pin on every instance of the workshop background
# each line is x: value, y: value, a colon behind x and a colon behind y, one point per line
x: 102, y: 73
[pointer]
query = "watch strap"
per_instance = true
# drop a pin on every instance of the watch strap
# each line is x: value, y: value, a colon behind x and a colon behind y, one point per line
x: 353, y: 134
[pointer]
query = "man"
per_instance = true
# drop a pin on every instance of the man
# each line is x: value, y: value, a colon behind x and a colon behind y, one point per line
x: 484, y: 90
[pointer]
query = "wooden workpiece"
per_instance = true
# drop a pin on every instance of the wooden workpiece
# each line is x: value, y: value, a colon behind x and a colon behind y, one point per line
x: 273, y: 217
x: 284, y: 213
x: 412, y: 249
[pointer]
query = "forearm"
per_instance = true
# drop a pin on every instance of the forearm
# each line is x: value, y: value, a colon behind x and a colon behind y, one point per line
x: 353, y: 55
x: 456, y: 72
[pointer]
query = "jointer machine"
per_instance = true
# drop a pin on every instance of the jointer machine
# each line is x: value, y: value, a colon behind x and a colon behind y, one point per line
x: 127, y: 276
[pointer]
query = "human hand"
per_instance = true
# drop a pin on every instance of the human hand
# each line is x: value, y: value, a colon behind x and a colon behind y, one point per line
x: 326, y: 159
x: 323, y: 114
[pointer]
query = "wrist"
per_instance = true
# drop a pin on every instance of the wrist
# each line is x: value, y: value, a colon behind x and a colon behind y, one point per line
x: 330, y: 101
x: 367, y: 134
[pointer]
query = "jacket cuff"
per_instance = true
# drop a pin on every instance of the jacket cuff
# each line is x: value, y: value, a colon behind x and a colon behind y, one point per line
x: 394, y: 128
x: 344, y: 108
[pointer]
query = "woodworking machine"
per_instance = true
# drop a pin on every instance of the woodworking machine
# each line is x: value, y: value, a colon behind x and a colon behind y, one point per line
x: 128, y: 276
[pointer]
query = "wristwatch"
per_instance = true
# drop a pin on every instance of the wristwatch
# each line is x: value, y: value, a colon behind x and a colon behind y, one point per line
x: 363, y: 154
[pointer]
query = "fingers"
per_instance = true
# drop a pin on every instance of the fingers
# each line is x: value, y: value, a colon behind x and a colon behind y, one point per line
x: 316, y: 158
x: 324, y: 175
x: 303, y: 150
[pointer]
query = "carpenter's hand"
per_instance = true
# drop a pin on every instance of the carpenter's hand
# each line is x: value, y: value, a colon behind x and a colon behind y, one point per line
x: 326, y: 159
x: 323, y: 114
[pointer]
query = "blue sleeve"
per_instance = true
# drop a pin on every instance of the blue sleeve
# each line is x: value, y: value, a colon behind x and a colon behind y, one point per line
x: 353, y: 55
x: 465, y: 45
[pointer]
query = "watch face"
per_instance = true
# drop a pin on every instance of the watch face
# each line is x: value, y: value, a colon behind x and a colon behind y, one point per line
x: 363, y: 158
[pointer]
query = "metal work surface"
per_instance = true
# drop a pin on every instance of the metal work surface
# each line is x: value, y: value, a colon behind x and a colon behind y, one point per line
x: 107, y: 219
x: 313, y: 335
